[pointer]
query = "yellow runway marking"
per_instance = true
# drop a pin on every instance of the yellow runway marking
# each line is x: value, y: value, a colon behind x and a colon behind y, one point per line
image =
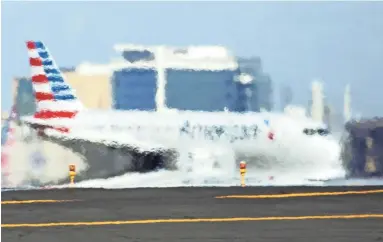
x: 308, y: 194
x: 194, y: 220
x: 36, y: 201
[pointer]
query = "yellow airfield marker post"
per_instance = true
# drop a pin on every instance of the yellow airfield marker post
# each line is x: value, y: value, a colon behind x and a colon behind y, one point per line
x: 242, y: 171
x: 72, y: 173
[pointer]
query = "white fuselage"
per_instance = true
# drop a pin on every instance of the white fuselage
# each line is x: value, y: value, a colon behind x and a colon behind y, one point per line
x: 152, y: 130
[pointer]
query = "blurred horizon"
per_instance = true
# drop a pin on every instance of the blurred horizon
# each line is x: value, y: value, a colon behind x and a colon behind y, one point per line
x: 338, y: 43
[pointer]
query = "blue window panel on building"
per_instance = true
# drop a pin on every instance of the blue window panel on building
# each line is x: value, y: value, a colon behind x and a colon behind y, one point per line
x: 246, y: 98
x: 25, y: 99
x: 261, y: 89
x: 252, y: 66
x: 264, y: 92
x: 200, y: 89
x: 255, y: 96
x: 134, y: 89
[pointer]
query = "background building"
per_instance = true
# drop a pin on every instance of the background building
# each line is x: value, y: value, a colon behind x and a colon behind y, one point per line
x: 206, y: 78
x: 286, y: 96
x: 191, y: 78
x: 259, y: 91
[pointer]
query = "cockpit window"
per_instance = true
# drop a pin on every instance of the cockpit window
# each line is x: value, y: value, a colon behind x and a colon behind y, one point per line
x: 319, y: 131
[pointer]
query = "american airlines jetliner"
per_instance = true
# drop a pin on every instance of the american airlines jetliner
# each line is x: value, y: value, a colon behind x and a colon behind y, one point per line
x: 60, y: 114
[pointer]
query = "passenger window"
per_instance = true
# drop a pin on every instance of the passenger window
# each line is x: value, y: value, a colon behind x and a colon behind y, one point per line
x: 309, y: 131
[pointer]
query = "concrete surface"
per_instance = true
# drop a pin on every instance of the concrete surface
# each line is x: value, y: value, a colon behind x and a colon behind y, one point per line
x: 136, y: 211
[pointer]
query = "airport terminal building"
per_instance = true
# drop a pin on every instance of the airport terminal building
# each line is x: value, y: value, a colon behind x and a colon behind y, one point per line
x: 206, y: 78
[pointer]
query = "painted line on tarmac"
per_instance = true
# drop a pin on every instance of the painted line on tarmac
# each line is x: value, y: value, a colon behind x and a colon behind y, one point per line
x: 194, y: 220
x: 35, y: 201
x: 307, y: 194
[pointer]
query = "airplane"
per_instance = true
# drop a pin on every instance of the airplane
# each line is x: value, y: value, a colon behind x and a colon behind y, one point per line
x: 60, y: 114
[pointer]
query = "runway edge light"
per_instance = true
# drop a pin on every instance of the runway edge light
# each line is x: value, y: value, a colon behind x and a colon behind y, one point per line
x: 72, y: 173
x: 242, y: 171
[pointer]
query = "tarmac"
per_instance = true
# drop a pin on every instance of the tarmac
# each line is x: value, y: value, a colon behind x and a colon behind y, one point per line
x: 194, y: 214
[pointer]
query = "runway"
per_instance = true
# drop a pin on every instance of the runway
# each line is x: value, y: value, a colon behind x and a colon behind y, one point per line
x: 194, y: 214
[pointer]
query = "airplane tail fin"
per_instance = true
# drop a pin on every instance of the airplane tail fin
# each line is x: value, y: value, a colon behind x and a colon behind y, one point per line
x: 54, y: 96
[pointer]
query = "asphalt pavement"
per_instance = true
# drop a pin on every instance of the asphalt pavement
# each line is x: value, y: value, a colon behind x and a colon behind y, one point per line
x: 194, y: 214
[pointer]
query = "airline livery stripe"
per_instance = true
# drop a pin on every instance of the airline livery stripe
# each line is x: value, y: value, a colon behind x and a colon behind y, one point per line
x: 40, y: 79
x: 41, y: 96
x: 63, y: 93
x: 33, y: 53
x: 37, y: 70
x: 59, y: 88
x: 56, y: 79
x: 39, y: 45
x: 47, y: 114
x: 42, y: 87
x: 64, y: 97
x: 59, y: 105
x: 62, y: 129
x: 47, y: 62
x: 59, y: 129
x: 31, y: 45
x: 43, y: 54
x: 35, y: 62
x: 51, y: 71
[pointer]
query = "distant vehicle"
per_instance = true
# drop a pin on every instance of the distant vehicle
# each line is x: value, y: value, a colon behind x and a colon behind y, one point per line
x: 362, y: 148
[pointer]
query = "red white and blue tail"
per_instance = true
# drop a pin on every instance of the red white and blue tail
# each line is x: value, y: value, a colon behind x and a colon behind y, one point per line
x: 54, y: 96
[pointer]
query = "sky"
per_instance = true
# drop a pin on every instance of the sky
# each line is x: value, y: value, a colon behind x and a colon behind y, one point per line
x: 298, y: 42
